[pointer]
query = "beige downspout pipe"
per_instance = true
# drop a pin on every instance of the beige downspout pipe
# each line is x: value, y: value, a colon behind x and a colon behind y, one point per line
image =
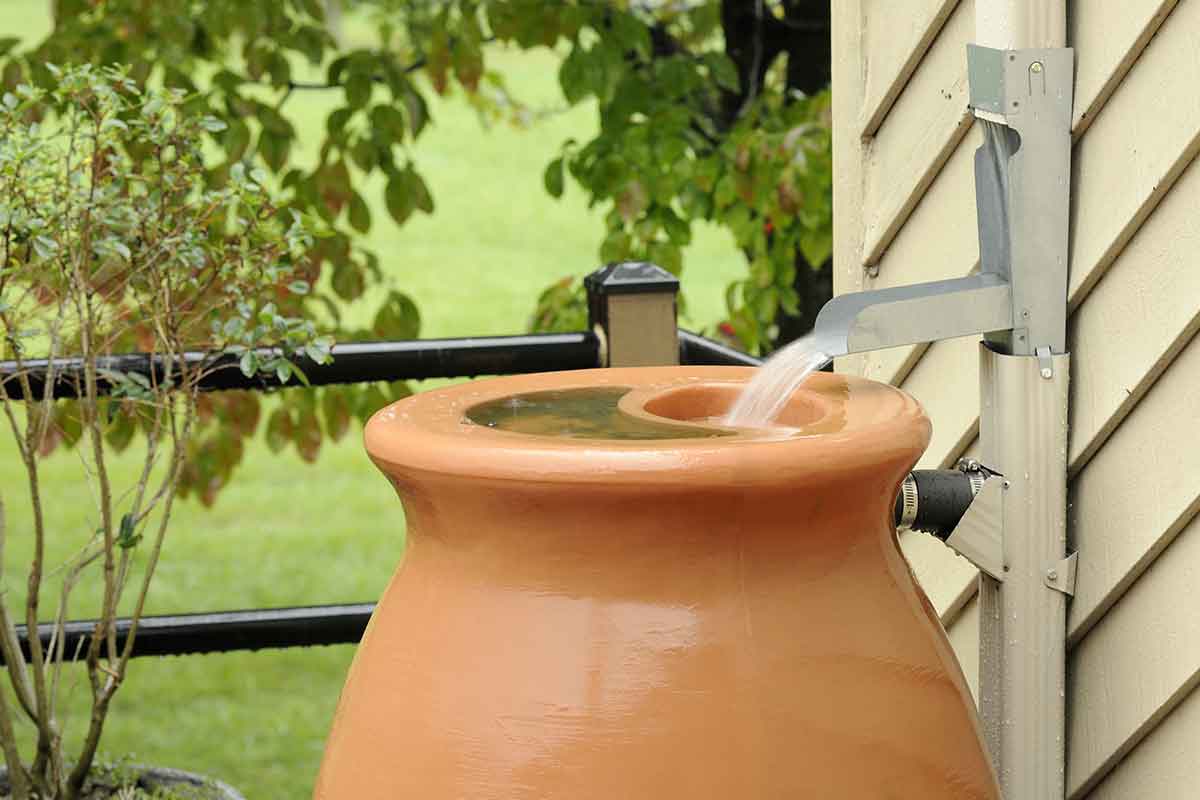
x: 1017, y: 24
x: 1023, y: 430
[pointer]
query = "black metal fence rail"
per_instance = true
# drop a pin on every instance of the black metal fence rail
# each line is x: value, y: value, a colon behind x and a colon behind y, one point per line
x: 362, y: 362
x: 219, y: 632
x: 352, y: 363
x: 695, y: 349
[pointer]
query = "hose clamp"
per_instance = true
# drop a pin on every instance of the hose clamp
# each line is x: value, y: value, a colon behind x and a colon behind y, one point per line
x: 908, y: 502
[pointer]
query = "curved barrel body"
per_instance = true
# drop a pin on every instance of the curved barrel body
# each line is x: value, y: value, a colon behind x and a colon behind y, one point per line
x: 725, y: 617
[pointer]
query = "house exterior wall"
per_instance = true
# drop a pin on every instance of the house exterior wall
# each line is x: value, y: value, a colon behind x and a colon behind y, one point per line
x: 904, y: 212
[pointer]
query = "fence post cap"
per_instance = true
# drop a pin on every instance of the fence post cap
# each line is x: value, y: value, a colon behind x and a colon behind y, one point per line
x: 631, y: 277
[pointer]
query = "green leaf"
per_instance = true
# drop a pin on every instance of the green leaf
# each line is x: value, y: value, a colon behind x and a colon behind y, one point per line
x: 347, y: 282
x: 126, y: 538
x: 236, y: 140
x: 397, y: 318
x: 398, y: 198
x: 358, y: 89
x: 573, y: 75
x: 678, y: 230
x: 724, y: 71
x: 120, y: 432
x: 553, y: 178
x: 437, y: 62
x: 359, y: 214
x: 45, y: 247
x: 387, y: 120
x: 212, y: 124
x: 273, y: 148
x: 335, y: 123
x: 364, y: 153
x: 248, y: 363
x: 417, y: 110
x: 370, y: 401
x: 816, y: 245
x: 419, y: 190
x: 467, y: 59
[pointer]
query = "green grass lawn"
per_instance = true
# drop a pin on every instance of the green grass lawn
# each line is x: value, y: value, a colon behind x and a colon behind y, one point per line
x: 288, y: 533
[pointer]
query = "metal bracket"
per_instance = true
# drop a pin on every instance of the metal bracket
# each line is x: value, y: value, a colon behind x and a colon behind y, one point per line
x: 1045, y: 362
x: 1061, y: 576
x: 978, y: 535
x: 1022, y: 181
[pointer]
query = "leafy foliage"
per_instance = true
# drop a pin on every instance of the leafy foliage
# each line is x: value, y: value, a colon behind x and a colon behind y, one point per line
x: 112, y: 239
x: 702, y: 117
x: 709, y: 110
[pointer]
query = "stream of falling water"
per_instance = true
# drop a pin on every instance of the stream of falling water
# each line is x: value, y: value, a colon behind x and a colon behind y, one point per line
x: 766, y: 395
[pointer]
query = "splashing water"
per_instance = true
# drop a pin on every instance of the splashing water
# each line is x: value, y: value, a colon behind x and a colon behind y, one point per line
x: 766, y: 395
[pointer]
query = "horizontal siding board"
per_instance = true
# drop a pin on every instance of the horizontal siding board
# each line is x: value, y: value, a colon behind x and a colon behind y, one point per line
x: 1135, y: 323
x: 1101, y: 62
x: 912, y: 143
x: 1134, y: 497
x: 964, y: 638
x: 1138, y: 664
x: 946, y: 383
x: 1133, y: 152
x: 1136, y: 320
x: 939, y: 241
x: 920, y: 133
x: 940, y: 571
x: 1137, y: 492
x: 1115, y: 188
x: 1164, y: 765
x: 897, y: 37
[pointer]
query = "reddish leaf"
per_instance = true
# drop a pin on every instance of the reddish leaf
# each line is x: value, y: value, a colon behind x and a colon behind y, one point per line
x: 280, y: 429
x: 307, y: 435
x: 336, y: 409
x: 438, y: 61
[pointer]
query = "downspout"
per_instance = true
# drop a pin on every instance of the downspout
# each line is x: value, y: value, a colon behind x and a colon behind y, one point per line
x: 1023, y: 414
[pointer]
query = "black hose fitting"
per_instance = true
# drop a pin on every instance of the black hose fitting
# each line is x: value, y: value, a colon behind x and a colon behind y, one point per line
x: 934, y: 500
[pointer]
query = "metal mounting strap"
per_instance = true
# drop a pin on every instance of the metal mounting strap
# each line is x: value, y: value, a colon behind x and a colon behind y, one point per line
x: 978, y: 535
x: 1061, y: 576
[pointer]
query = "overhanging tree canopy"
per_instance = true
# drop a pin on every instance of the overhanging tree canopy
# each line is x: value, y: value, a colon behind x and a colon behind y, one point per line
x: 708, y: 110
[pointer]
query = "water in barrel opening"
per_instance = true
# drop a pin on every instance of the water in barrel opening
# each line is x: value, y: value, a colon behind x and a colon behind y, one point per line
x: 590, y: 413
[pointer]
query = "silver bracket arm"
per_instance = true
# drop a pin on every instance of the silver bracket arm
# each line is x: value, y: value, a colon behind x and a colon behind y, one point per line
x: 922, y: 312
x: 977, y: 537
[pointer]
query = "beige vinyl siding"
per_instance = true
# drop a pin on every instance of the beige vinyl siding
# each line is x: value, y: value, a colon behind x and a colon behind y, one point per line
x: 904, y: 213
x: 897, y: 36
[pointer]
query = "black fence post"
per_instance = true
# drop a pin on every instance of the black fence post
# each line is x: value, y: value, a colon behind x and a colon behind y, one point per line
x: 631, y: 307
